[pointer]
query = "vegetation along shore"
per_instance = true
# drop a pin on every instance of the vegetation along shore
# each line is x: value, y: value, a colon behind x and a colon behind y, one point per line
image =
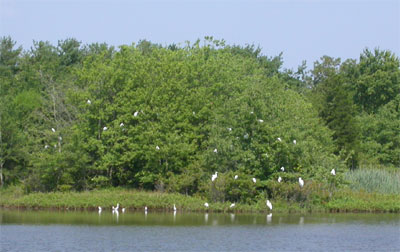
x: 141, y: 125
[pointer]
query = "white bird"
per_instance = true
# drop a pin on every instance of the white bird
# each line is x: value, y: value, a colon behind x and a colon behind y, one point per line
x: 46, y: 146
x: 121, y: 125
x: 279, y: 179
x: 269, y: 204
x: 301, y: 182
x: 215, y: 151
x: 194, y: 113
x: 89, y: 102
x: 294, y: 141
x: 251, y: 112
x: 279, y: 139
x: 230, y: 129
x: 254, y: 180
x: 333, y: 172
x: 136, y: 113
x: 123, y: 210
x: 174, y: 208
x: 52, y: 129
x: 60, y: 138
x: 157, y: 148
x: 206, y: 205
x: 282, y: 168
x: 260, y: 120
x: 246, y: 136
x: 232, y: 205
x: 105, y: 128
x: 145, y: 209
x: 236, y: 177
x: 99, y: 209
x: 55, y: 146
x: 214, y: 176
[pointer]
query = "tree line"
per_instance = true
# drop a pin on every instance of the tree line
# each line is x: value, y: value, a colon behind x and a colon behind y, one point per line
x: 79, y: 117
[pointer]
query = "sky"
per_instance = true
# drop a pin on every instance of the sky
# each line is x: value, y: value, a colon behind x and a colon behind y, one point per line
x: 300, y: 29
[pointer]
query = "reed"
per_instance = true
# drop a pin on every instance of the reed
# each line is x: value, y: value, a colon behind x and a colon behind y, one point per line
x: 374, y: 180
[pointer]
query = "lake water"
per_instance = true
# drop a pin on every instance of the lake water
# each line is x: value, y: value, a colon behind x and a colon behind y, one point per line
x: 89, y: 231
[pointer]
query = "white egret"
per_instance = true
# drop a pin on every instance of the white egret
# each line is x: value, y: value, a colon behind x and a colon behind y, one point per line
x: 89, y: 102
x: 229, y: 129
x: 60, y: 138
x: 99, y: 209
x: 214, y: 176
x: 157, y: 148
x: 52, y: 129
x: 282, y: 168
x: 116, y: 209
x: 46, y: 146
x: 215, y: 150
x: 136, y: 113
x: 301, y: 182
x: 269, y: 205
x: 174, y: 208
x: 206, y: 205
x: 232, y: 205
x: 333, y: 172
x: 251, y: 112
x: 294, y: 141
x: 145, y: 209
x: 123, y: 210
x: 254, y: 180
x: 194, y: 113
x: 55, y: 146
x: 260, y: 120
x: 236, y: 177
x: 121, y: 125
x: 246, y: 136
x: 279, y: 139
x: 279, y: 179
x: 105, y: 128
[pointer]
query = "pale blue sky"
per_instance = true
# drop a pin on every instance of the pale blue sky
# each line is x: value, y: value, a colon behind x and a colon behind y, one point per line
x: 302, y: 30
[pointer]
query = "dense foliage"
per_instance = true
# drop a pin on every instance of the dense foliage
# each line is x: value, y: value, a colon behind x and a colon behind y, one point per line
x: 80, y: 117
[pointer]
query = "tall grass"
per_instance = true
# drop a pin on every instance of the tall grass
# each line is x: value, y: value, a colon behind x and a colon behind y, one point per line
x: 374, y: 180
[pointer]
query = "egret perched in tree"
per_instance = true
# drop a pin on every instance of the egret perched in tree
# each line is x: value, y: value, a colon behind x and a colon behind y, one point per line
x: 60, y: 138
x: 214, y: 176
x: 282, y: 168
x: 105, y: 128
x: 279, y: 179
x: 215, y: 150
x: 246, y: 136
x: 236, y: 177
x: 206, y: 205
x: 229, y: 129
x: 301, y: 182
x: 89, y: 102
x: 174, y: 208
x: 260, y: 120
x: 136, y: 113
x: 99, y: 209
x: 157, y: 148
x: 279, y: 139
x: 232, y: 205
x: 269, y: 205
x: 194, y: 113
x: 333, y: 172
x: 121, y: 125
x: 52, y: 129
x: 254, y: 180
x: 294, y: 141
x: 46, y: 146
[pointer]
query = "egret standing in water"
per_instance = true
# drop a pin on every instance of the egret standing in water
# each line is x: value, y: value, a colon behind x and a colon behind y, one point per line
x: 333, y: 172
x: 269, y: 205
x: 174, y: 208
x: 301, y: 182
x: 99, y: 209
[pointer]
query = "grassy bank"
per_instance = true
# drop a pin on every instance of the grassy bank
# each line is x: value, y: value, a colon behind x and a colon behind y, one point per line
x: 344, y: 200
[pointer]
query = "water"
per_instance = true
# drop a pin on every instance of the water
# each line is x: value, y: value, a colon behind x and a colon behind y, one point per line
x: 89, y: 231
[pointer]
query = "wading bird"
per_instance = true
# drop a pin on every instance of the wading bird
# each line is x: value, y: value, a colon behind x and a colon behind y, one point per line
x: 279, y: 179
x: 121, y: 125
x: 260, y: 120
x: 232, y: 205
x: 105, y: 128
x: 52, y: 129
x: 174, y: 208
x: 333, y: 172
x: 269, y: 205
x: 99, y: 209
x: 282, y: 168
x: 157, y: 148
x: 215, y: 150
x: 279, y: 139
x: 294, y: 141
x: 89, y: 102
x: 236, y: 177
x: 145, y: 209
x: 136, y: 113
x: 206, y: 205
x: 301, y: 182
x: 214, y: 176
x: 123, y: 210
x: 254, y: 180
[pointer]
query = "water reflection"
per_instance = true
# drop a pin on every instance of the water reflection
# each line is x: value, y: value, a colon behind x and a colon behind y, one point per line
x: 269, y: 218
